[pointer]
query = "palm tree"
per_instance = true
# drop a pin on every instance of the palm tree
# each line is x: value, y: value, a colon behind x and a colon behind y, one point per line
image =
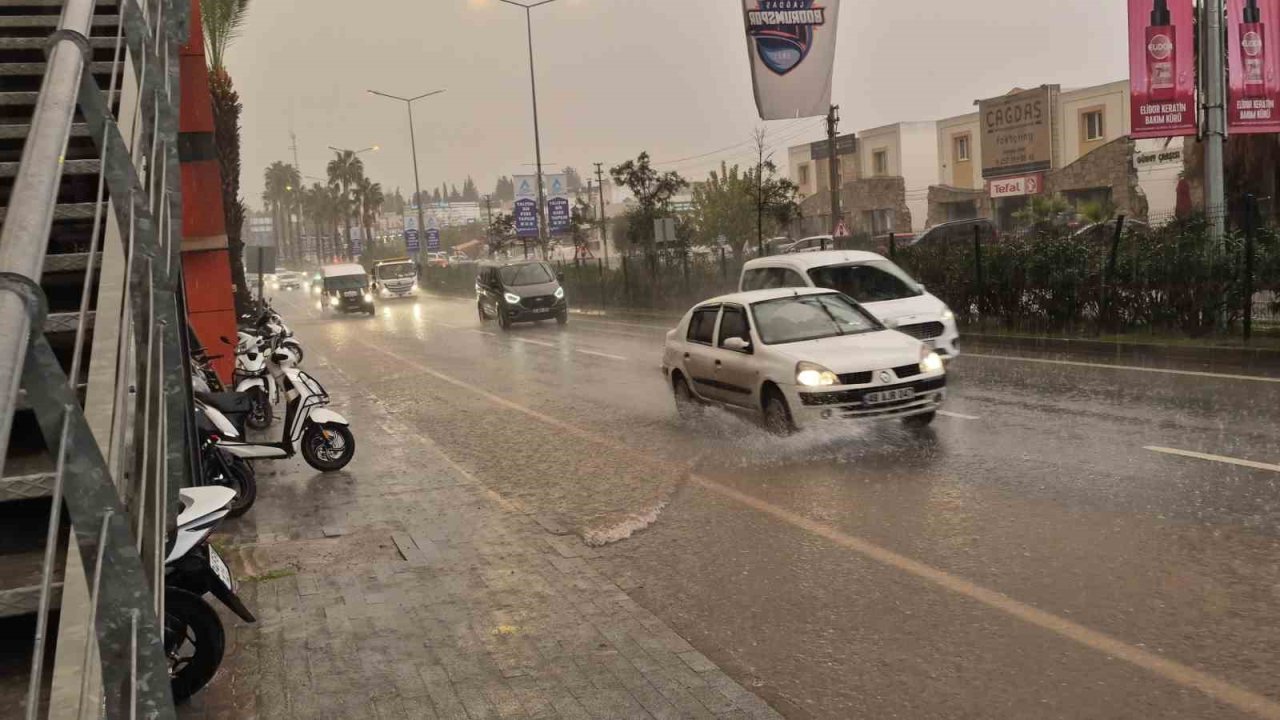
x: 222, y: 21
x: 280, y: 181
x: 345, y: 170
x: 369, y: 200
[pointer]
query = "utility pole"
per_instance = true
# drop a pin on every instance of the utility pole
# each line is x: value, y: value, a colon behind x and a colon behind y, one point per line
x: 297, y: 197
x: 833, y: 166
x: 1215, y: 107
x: 759, y: 136
x: 488, y: 231
x: 604, y: 221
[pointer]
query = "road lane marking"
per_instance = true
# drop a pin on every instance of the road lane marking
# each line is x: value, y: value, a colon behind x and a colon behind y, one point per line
x: 481, y: 332
x: 948, y: 413
x: 1214, y: 458
x: 1165, y: 371
x: 537, y: 342
x: 600, y: 354
x: 1176, y: 672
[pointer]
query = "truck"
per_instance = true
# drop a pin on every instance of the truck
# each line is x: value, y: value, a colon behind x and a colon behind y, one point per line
x: 396, y: 277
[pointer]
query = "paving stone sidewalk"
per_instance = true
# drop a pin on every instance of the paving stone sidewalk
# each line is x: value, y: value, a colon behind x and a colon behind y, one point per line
x: 402, y: 588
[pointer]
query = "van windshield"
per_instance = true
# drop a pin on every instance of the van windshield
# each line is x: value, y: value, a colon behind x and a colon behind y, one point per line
x: 345, y: 282
x: 397, y: 270
x: 867, y: 283
x: 531, y: 274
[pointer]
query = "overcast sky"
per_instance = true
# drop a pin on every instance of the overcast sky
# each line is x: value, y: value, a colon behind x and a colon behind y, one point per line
x: 616, y: 77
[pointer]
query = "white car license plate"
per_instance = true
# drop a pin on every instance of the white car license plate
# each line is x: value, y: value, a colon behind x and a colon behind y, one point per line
x: 885, y: 396
x: 542, y: 310
x: 349, y: 293
x: 220, y: 568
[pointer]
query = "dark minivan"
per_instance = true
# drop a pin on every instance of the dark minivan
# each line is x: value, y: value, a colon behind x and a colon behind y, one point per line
x: 514, y: 292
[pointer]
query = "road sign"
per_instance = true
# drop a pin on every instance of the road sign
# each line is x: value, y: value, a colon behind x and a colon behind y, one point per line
x: 525, y: 209
x: 433, y: 233
x: 411, y: 240
x: 559, y: 217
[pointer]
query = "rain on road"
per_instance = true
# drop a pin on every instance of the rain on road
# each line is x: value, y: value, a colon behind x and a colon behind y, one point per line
x: 1068, y: 540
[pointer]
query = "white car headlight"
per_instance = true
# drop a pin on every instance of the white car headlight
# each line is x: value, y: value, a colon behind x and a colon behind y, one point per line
x: 814, y: 375
x: 559, y: 293
x: 947, y: 315
x: 368, y: 297
x: 511, y: 298
x: 929, y: 360
x: 333, y: 301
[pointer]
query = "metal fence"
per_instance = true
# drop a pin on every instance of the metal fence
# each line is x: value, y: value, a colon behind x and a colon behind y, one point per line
x: 116, y: 463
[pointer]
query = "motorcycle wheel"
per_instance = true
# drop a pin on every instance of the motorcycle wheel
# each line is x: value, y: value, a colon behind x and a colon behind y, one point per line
x: 194, y: 642
x: 260, y: 417
x: 327, y: 446
x: 239, y: 476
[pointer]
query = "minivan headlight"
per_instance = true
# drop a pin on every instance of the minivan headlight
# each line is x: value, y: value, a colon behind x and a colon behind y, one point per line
x: 929, y: 360
x: 814, y: 375
x: 511, y: 298
x: 947, y: 315
x: 559, y: 293
x: 333, y: 300
x: 368, y: 297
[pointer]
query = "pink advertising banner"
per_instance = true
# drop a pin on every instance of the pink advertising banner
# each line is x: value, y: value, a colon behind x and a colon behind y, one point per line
x: 1253, y: 37
x: 1162, y: 68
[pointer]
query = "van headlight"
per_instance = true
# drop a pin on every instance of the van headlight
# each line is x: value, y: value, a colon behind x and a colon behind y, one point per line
x: 333, y: 301
x: 814, y: 375
x: 511, y: 298
x: 929, y: 360
x: 947, y: 315
x: 559, y: 293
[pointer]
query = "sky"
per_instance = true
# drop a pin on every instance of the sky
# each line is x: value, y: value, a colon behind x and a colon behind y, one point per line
x: 616, y: 77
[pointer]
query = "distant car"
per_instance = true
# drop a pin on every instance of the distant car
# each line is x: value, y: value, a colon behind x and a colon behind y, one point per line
x: 436, y: 259
x: 815, y: 243
x: 288, y: 280
x: 1101, y: 231
x: 513, y: 292
x: 954, y: 231
x: 881, y: 287
x: 800, y: 357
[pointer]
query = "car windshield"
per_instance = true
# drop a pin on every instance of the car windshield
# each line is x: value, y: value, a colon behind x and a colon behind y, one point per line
x: 531, y: 274
x: 398, y: 270
x: 810, y: 317
x: 868, y: 282
x: 345, y: 282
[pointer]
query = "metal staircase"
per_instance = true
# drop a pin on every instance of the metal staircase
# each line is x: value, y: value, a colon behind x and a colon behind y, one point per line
x: 94, y: 403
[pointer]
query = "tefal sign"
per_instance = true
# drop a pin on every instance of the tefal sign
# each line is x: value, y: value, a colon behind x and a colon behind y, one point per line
x: 1032, y: 184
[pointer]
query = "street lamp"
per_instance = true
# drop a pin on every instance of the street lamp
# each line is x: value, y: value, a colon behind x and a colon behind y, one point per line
x: 533, y: 88
x: 371, y: 148
x: 417, y: 187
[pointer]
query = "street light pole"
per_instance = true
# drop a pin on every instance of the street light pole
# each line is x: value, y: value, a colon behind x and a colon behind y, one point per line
x: 533, y: 90
x: 413, y: 145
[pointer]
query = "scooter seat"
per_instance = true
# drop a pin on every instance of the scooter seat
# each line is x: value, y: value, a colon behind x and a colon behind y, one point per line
x: 227, y: 403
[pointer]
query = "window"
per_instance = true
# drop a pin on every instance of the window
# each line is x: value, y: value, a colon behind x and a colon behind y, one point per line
x: 702, y: 325
x: 1091, y: 120
x: 531, y: 274
x: 962, y: 148
x: 866, y: 283
x: 880, y: 163
x: 880, y: 221
x: 772, y: 277
x: 733, y: 323
x: 810, y: 317
x: 802, y: 174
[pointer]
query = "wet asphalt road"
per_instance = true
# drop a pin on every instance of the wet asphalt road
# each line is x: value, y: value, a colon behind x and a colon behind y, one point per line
x: 1028, y: 556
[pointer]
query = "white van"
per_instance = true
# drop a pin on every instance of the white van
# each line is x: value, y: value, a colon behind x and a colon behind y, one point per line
x: 881, y: 287
x: 396, y: 277
x: 346, y: 288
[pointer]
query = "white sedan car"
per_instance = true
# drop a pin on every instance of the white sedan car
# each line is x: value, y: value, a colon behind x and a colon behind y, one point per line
x: 798, y: 357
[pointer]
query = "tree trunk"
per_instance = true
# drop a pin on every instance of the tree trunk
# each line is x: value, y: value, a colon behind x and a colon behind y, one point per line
x: 226, y: 128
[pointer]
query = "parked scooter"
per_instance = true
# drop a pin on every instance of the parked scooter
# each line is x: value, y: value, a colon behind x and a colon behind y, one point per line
x: 194, y: 639
x: 222, y: 468
x: 252, y: 377
x: 269, y: 324
x: 322, y: 435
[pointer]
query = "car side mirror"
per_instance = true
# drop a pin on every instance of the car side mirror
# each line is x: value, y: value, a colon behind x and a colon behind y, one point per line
x: 559, y: 277
x: 736, y: 344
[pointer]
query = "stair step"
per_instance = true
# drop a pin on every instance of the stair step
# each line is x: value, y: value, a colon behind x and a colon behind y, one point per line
x: 10, y: 131
x: 70, y: 167
x: 26, y: 600
x: 70, y: 262
x: 51, y: 21
x: 98, y: 68
x: 26, y: 487
x: 29, y: 97
x: 65, y: 211
x: 66, y: 322
x: 39, y: 43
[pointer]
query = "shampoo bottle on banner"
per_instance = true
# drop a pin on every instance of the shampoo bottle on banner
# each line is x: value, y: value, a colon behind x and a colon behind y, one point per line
x: 1253, y: 51
x: 1161, y: 54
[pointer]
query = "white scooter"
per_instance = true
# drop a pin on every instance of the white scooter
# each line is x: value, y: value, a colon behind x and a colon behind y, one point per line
x: 322, y: 435
x: 253, y: 378
x: 194, y: 638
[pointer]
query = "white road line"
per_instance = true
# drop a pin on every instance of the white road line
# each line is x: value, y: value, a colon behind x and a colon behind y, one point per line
x: 948, y: 413
x: 536, y: 342
x: 1235, y: 695
x: 1214, y: 458
x: 481, y: 332
x: 600, y: 354
x: 1165, y: 371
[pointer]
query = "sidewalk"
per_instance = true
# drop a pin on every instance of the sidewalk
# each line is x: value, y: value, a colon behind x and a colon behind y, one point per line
x: 402, y: 588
